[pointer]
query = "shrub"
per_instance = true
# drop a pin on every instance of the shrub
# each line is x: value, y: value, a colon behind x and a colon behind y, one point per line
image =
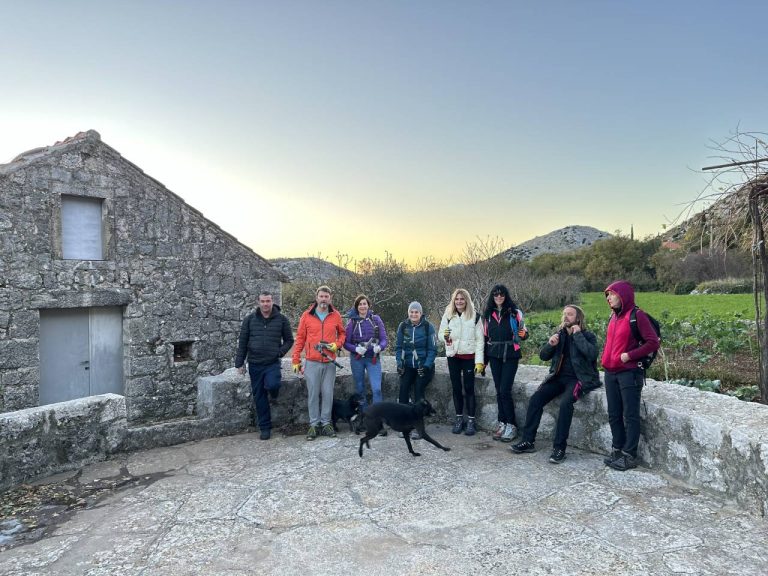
x: 726, y: 286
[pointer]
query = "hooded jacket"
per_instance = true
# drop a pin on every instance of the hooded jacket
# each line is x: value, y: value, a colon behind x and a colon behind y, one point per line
x: 264, y: 340
x: 312, y: 331
x: 361, y: 330
x: 619, y: 338
x: 466, y: 336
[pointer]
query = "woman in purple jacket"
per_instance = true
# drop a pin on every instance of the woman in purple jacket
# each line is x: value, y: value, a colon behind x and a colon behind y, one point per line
x: 366, y: 338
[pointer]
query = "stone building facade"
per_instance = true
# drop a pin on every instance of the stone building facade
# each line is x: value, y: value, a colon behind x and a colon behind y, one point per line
x: 109, y: 282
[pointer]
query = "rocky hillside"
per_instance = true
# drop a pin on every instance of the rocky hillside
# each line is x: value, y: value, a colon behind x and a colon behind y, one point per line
x: 563, y: 240
x: 308, y: 269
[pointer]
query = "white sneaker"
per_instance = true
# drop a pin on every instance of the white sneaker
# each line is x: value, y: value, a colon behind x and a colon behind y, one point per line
x: 499, y: 431
x: 510, y: 433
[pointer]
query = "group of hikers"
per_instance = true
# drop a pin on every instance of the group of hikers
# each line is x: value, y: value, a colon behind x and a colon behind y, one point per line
x: 473, y: 340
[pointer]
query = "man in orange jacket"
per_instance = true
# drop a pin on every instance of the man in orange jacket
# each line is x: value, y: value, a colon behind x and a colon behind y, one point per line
x: 319, y: 336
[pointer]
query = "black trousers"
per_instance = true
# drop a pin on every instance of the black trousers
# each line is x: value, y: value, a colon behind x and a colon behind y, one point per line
x: 623, y: 391
x: 503, y: 377
x: 462, y: 374
x: 547, y: 392
x: 410, y: 381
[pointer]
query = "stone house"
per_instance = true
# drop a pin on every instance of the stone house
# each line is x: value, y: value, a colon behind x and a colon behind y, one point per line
x: 109, y: 282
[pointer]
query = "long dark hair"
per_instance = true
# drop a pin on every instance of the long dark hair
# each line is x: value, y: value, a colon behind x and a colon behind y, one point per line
x: 508, y: 307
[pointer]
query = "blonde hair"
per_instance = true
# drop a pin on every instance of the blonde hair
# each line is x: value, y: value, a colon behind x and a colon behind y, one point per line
x: 580, y: 318
x: 450, y: 310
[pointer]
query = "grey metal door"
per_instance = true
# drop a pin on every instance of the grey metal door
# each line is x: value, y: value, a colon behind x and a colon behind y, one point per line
x: 81, y: 353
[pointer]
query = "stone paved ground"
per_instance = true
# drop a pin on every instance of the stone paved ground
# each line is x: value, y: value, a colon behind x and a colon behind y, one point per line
x: 236, y: 505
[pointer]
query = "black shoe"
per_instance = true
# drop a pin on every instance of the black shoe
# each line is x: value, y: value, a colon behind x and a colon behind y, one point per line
x: 522, y: 447
x: 624, y: 462
x: 265, y: 435
x: 458, y: 425
x: 557, y: 456
x: 615, y: 453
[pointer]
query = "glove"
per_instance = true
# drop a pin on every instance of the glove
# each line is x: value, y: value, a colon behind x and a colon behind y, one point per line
x: 360, y: 349
x: 296, y: 368
x: 376, y: 349
x: 332, y: 347
x: 479, y: 368
x: 420, y: 371
x: 577, y: 391
x: 400, y: 370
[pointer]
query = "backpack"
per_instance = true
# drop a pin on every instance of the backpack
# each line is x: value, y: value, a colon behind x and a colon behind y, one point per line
x: 646, y: 361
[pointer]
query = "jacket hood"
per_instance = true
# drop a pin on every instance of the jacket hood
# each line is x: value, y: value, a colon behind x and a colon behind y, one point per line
x: 312, y: 307
x: 275, y: 311
x: 626, y: 293
x: 355, y: 315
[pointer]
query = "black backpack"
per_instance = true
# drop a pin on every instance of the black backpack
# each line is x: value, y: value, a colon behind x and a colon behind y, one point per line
x: 646, y: 361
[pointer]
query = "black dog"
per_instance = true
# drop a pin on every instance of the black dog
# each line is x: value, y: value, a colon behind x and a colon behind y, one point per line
x: 348, y: 411
x: 401, y: 417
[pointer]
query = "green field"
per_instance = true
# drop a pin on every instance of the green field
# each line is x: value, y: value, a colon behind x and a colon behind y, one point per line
x: 709, y: 340
x: 665, y: 305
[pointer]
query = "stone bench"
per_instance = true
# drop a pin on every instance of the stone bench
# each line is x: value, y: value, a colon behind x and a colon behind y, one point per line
x: 705, y: 439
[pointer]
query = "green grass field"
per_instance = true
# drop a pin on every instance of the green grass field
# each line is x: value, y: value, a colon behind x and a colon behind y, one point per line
x: 664, y: 305
x: 708, y: 339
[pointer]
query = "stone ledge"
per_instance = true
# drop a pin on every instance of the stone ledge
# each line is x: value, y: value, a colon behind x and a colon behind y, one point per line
x: 705, y: 439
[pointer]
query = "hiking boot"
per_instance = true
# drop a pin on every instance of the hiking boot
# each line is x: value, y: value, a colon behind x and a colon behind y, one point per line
x: 312, y: 433
x: 624, y: 462
x: 458, y: 425
x: 523, y: 447
x: 471, y: 430
x: 510, y: 433
x: 265, y: 435
x: 615, y: 453
x: 499, y: 431
x: 328, y: 431
x: 557, y: 456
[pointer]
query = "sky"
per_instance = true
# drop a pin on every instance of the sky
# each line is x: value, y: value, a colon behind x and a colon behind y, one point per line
x: 361, y: 127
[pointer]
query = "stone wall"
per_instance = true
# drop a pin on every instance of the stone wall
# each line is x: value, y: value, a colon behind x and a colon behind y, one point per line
x: 177, y: 276
x: 705, y: 439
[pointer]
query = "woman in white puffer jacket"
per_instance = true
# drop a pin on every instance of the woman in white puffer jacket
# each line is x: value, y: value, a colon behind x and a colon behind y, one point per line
x: 461, y: 330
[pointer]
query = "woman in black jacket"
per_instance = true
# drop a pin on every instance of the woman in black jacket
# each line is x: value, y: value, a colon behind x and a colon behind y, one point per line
x: 504, y: 329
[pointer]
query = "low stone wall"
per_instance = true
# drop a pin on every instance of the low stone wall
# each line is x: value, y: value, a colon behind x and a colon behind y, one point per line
x: 705, y: 439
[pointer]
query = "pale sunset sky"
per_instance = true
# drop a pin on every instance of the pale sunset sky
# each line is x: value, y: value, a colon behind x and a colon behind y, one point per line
x: 306, y: 127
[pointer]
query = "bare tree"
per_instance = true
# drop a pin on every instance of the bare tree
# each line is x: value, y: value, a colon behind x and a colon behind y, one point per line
x: 740, y: 183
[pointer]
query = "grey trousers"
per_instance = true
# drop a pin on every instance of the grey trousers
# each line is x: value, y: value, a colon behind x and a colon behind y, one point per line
x: 320, y: 377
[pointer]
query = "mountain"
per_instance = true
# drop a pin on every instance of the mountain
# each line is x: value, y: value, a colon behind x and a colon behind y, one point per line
x: 565, y: 239
x: 309, y: 269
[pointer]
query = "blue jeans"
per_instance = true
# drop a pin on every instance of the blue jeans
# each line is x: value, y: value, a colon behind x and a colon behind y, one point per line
x: 623, y: 391
x: 261, y: 374
x: 359, y: 366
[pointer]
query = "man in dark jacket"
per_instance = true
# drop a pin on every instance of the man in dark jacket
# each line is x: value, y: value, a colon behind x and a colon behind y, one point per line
x: 265, y: 337
x: 572, y: 373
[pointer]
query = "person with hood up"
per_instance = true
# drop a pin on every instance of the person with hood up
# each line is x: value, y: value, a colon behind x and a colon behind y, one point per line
x: 265, y: 337
x: 366, y: 337
x: 624, y: 374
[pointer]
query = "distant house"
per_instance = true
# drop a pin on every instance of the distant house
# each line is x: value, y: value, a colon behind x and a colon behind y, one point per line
x: 109, y: 282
